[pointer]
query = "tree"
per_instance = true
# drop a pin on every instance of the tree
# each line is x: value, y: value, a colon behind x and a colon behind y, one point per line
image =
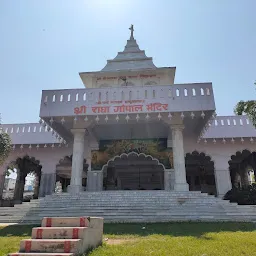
x: 248, y: 108
x: 5, y: 146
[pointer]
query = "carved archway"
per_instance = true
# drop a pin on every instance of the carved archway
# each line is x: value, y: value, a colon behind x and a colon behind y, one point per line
x: 133, y: 171
x: 63, y: 172
x: 239, y: 165
x: 24, y: 166
x: 200, y: 172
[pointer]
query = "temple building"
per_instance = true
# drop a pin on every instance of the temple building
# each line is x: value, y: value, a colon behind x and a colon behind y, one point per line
x: 132, y: 128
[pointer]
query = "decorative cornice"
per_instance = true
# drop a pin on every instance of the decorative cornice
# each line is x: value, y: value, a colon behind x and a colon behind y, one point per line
x: 222, y: 141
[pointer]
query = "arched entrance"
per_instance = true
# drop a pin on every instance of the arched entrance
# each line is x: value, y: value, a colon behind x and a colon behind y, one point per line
x: 200, y: 173
x: 24, y: 166
x: 133, y: 171
x: 242, y: 166
x: 63, y: 172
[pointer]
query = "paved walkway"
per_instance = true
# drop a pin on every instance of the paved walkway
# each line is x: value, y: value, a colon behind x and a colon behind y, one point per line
x: 7, y: 224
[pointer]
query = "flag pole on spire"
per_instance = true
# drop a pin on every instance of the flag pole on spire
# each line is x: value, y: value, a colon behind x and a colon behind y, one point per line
x: 132, y: 30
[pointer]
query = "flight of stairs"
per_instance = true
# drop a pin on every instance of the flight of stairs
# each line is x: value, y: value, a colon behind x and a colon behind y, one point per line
x: 16, y: 214
x: 63, y: 237
x: 138, y: 206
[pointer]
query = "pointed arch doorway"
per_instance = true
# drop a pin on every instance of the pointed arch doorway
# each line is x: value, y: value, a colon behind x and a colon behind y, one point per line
x: 133, y: 171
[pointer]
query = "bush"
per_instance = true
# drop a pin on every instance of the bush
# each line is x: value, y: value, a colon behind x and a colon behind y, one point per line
x: 242, y: 196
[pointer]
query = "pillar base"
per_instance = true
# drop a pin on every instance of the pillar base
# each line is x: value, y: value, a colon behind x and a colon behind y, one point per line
x: 75, y: 189
x: 181, y: 187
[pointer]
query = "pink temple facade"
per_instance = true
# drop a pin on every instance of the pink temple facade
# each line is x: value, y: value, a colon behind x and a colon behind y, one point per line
x: 130, y: 103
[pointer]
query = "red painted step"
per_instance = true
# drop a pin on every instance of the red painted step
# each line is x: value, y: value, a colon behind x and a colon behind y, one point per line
x: 59, y: 233
x: 52, y: 245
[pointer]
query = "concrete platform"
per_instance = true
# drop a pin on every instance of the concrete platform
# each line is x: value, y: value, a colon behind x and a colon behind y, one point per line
x: 90, y: 222
x: 66, y: 222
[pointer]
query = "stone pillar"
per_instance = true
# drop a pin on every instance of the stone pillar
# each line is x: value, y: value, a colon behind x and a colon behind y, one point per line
x: 236, y: 180
x: 77, y: 161
x: 222, y: 181
x: 168, y: 179
x: 19, y: 187
x: 244, y: 178
x: 47, y: 184
x: 89, y: 162
x: 179, y: 159
x: 37, y: 186
x: 94, y: 181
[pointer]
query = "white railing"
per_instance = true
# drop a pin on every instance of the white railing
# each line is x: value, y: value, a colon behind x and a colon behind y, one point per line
x: 230, y: 121
x: 127, y: 93
x: 175, y: 98
x: 25, y: 128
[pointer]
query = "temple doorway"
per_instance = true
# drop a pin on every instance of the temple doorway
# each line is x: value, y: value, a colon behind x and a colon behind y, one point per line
x: 63, y: 172
x: 25, y: 186
x: 242, y: 167
x: 200, y: 173
x: 133, y: 172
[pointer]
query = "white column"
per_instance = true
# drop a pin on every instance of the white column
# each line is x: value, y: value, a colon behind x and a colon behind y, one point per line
x: 94, y: 181
x: 179, y: 159
x: 168, y: 179
x: 222, y: 181
x: 77, y: 161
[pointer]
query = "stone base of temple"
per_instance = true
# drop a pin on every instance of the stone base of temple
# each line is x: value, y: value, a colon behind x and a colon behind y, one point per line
x: 74, y: 189
x: 181, y: 187
x: 131, y: 206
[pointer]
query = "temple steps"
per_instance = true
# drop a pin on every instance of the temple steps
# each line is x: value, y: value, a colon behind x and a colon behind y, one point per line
x: 134, y: 206
x: 51, y: 245
x: 58, y: 233
x: 63, y: 236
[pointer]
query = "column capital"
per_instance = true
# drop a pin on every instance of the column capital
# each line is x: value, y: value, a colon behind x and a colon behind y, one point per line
x: 175, y: 127
x: 74, y: 131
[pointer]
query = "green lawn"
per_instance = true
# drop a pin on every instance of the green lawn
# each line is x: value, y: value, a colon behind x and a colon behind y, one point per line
x: 179, y: 239
x: 10, y: 237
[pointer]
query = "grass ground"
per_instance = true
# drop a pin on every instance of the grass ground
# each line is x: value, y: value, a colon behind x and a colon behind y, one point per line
x: 10, y: 237
x: 161, y: 239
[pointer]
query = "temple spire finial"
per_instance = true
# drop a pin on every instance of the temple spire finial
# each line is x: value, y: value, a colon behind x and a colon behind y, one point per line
x: 132, y: 30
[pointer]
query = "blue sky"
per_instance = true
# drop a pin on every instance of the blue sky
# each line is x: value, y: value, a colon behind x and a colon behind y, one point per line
x: 44, y: 44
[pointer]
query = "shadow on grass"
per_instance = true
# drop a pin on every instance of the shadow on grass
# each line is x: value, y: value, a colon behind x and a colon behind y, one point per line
x: 16, y: 230
x: 196, y: 229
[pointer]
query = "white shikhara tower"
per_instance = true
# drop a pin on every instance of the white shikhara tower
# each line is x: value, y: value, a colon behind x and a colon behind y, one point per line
x: 126, y: 70
x: 131, y: 68
x: 107, y: 110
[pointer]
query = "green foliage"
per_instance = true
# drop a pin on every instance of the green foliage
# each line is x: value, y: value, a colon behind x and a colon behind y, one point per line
x: 242, y: 196
x: 248, y: 108
x: 5, y: 146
